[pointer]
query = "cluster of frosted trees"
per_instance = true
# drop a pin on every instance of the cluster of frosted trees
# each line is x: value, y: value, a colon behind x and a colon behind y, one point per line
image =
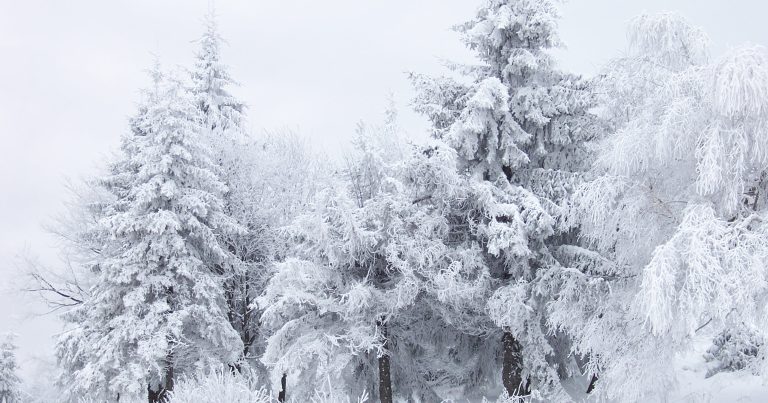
x: 555, y: 230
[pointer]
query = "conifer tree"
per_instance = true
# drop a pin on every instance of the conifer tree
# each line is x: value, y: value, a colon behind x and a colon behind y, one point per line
x: 249, y: 168
x: 520, y: 129
x: 223, y: 114
x: 157, y: 309
x: 223, y: 118
x: 10, y: 384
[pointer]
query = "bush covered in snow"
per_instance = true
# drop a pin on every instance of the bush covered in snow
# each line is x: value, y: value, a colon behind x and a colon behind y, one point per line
x: 220, y: 387
x: 733, y: 350
x: 225, y: 386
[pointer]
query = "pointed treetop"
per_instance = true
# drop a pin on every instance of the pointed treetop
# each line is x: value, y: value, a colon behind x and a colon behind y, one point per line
x: 210, y: 81
x: 513, y: 33
x: 156, y: 73
x: 211, y: 38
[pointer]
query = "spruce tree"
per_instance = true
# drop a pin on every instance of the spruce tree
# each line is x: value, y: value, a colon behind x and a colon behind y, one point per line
x: 157, y: 309
x: 223, y: 114
x: 235, y: 153
x: 520, y: 129
x: 10, y: 384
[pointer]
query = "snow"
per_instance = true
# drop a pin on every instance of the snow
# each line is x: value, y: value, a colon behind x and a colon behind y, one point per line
x: 556, y: 233
x: 693, y: 386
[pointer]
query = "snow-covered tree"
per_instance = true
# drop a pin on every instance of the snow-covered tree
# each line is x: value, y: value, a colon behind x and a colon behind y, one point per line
x: 10, y: 384
x: 223, y: 117
x: 676, y: 212
x: 257, y: 172
x: 272, y: 179
x: 346, y: 305
x: 223, y: 113
x: 520, y: 128
x: 269, y: 178
x: 157, y: 309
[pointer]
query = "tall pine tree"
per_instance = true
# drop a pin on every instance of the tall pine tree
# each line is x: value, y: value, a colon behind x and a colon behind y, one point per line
x: 520, y: 129
x: 157, y: 309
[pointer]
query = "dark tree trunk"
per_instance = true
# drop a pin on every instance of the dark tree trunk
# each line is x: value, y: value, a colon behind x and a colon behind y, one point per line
x: 153, y: 395
x: 282, y: 394
x: 247, y: 317
x: 161, y: 394
x: 512, y: 366
x: 385, y: 381
x: 168, y: 378
x: 240, y: 314
x: 592, y: 383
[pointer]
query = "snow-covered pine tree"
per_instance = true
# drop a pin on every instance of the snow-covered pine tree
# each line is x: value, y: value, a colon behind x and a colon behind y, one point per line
x: 85, y: 244
x: 223, y: 113
x: 676, y: 213
x: 157, y: 309
x: 520, y: 128
x: 249, y: 168
x: 87, y: 236
x: 10, y: 384
x: 223, y: 118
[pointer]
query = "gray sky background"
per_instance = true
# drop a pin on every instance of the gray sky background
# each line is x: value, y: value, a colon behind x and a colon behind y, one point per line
x: 70, y: 73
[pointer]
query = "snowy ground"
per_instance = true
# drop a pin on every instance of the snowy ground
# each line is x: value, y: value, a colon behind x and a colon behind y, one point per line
x: 694, y: 387
x: 724, y: 387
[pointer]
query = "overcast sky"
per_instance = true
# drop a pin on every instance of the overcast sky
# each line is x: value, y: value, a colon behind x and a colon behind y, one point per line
x: 70, y: 73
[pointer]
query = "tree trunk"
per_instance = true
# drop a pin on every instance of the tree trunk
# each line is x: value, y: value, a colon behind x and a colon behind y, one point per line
x: 592, y: 384
x: 168, y: 378
x: 247, y: 317
x: 385, y: 381
x: 512, y: 366
x: 282, y: 394
x: 152, y: 395
x: 161, y: 394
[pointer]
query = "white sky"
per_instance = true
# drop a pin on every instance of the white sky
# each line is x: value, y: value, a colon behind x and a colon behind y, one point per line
x: 70, y: 72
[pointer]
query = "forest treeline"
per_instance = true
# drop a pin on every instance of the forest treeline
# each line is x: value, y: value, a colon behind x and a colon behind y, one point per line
x: 557, y: 236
